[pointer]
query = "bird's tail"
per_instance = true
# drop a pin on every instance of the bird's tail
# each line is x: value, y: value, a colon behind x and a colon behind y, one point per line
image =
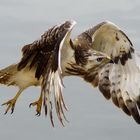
x: 7, y: 73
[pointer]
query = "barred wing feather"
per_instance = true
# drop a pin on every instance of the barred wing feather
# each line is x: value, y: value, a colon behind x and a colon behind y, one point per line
x: 119, y: 81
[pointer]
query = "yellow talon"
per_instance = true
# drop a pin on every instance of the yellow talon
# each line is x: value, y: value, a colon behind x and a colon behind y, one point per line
x: 11, y: 103
x: 38, y: 105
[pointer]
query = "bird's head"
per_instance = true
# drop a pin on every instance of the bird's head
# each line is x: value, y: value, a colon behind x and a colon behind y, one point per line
x: 96, y: 60
x: 87, y: 60
x: 95, y: 63
x: 87, y: 57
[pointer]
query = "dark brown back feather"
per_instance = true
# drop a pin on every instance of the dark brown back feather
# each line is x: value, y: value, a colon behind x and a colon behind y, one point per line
x: 38, y: 53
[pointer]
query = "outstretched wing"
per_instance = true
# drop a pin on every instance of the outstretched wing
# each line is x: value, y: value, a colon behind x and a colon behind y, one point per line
x: 119, y: 81
x: 44, y: 55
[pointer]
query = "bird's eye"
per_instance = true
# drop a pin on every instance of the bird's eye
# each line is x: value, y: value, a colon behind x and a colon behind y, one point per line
x: 99, y: 59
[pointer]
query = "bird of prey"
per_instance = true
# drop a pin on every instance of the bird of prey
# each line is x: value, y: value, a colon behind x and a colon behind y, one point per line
x: 102, y: 55
x: 46, y: 61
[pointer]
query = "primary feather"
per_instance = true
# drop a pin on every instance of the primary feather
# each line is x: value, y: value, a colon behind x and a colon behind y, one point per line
x: 118, y: 81
x: 44, y: 56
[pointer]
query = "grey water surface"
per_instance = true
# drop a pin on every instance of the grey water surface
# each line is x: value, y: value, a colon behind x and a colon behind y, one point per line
x: 90, y: 115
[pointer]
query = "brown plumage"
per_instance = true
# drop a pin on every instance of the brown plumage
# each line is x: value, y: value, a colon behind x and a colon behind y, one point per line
x: 103, y: 56
x: 40, y: 66
x: 45, y: 62
x: 119, y: 80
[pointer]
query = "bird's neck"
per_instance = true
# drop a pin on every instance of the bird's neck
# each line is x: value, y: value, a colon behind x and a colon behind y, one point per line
x: 73, y: 60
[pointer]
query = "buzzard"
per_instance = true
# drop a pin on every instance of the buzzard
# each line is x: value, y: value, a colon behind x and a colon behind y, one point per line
x: 102, y: 55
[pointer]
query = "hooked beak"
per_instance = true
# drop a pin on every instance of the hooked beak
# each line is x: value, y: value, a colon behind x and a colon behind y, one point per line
x: 111, y: 61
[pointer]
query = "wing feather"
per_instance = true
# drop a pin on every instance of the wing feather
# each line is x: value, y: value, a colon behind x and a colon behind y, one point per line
x: 118, y: 81
x: 44, y: 55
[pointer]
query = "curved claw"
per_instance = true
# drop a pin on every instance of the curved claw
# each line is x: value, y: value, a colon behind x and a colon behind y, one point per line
x: 38, y: 114
x: 38, y: 105
x: 30, y: 105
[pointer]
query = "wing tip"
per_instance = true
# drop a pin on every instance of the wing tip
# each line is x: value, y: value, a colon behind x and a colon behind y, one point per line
x: 132, y: 107
x: 105, y: 92
x: 71, y: 23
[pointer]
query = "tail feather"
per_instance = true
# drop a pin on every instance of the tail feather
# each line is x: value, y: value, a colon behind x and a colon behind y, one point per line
x: 6, y: 73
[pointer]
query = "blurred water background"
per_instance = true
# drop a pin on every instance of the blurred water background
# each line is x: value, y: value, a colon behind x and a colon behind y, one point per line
x: 90, y: 115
